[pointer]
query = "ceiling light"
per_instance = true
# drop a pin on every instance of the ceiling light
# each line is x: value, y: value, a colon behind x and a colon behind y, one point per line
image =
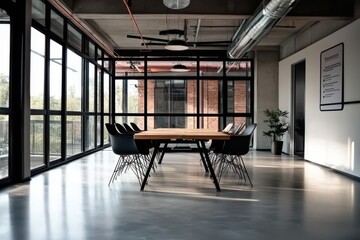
x: 179, y: 68
x: 176, y: 45
x: 176, y: 4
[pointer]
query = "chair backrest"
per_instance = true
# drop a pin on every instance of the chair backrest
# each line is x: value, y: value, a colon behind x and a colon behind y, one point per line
x: 111, y: 129
x: 249, y: 129
x: 122, y: 144
x: 227, y: 128
x: 120, y: 128
x: 135, y: 127
x: 237, y: 129
x: 239, y: 144
x: 128, y: 128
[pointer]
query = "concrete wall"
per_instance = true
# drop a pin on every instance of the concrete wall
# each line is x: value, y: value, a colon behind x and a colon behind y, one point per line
x: 332, y: 138
x: 266, y: 92
x: 310, y: 35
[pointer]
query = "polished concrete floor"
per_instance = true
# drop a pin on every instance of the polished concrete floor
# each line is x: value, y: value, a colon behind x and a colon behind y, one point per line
x: 291, y: 199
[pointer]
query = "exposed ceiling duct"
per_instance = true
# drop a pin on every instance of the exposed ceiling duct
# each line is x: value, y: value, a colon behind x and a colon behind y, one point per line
x: 258, y: 26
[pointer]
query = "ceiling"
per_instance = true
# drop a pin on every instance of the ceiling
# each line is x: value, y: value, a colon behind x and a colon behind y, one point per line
x: 214, y: 20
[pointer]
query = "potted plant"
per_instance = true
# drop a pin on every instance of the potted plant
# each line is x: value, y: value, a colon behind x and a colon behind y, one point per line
x: 277, y: 121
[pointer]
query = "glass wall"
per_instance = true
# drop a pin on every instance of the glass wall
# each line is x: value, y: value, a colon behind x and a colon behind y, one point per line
x: 206, y: 93
x: 66, y: 90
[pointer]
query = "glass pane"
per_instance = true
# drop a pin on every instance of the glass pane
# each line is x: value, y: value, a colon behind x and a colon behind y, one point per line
x: 37, y: 141
x: 209, y: 122
x: 74, y: 37
x: 238, y: 69
x: 55, y: 76
x: 38, y: 11
x: 55, y: 137
x: 73, y: 135
x: 210, y: 94
x: 106, y: 62
x: 98, y: 131
x: 91, y: 92
x: 240, y: 120
x: 37, y: 69
x: 57, y: 23
x: 106, y: 93
x: 89, y: 132
x: 238, y: 97
x: 99, y: 91
x: 99, y: 56
x: 171, y: 122
x: 106, y: 134
x: 92, y: 52
x: 172, y: 68
x: 129, y: 96
x: 5, y: 64
x: 172, y: 96
x: 130, y: 68
x: 208, y: 68
x: 73, y: 82
x: 4, y: 146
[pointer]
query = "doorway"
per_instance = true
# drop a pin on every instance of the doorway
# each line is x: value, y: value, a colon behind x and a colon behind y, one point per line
x: 298, y: 83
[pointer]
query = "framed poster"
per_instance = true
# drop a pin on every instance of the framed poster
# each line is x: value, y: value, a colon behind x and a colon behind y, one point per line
x: 332, y: 78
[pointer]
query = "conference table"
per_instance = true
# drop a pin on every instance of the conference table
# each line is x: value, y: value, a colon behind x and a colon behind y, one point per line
x: 166, y: 135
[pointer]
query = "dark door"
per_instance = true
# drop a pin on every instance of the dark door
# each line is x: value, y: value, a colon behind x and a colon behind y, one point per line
x: 299, y: 107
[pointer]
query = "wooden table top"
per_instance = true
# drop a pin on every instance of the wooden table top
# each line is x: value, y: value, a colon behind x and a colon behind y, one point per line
x: 181, y: 133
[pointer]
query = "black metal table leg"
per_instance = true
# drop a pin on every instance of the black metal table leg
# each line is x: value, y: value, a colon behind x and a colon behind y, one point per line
x: 156, y: 149
x: 201, y: 151
x: 210, y: 166
x: 163, y: 152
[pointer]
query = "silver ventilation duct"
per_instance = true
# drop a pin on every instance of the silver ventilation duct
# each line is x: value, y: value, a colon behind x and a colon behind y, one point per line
x: 258, y: 26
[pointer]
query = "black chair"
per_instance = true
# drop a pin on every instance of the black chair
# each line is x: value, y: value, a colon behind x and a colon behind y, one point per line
x: 143, y: 145
x: 124, y: 145
x: 229, y: 156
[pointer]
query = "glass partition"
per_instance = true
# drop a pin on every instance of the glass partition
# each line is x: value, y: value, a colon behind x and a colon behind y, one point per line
x: 211, y: 68
x: 239, y: 68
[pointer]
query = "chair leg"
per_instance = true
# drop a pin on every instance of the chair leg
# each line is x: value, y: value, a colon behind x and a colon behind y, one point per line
x: 246, y: 172
x: 116, y: 169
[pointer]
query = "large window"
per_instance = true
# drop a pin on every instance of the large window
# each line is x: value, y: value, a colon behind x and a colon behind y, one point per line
x: 4, y: 98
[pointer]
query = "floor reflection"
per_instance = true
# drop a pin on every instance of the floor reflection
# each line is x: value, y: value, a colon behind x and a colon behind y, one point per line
x: 291, y: 199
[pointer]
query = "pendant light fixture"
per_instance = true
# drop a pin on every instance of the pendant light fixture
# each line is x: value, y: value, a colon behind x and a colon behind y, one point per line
x: 176, y: 45
x: 176, y: 4
x: 179, y: 68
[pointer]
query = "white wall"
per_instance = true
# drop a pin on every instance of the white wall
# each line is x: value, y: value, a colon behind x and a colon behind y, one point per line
x: 332, y: 138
